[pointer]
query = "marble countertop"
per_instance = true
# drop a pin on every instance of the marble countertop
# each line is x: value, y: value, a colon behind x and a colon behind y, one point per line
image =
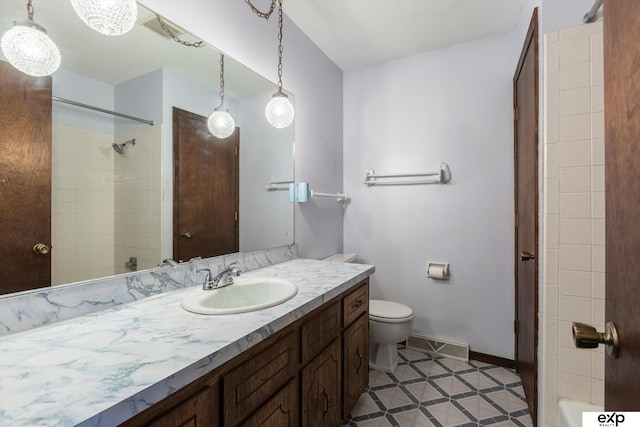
x: 103, y: 368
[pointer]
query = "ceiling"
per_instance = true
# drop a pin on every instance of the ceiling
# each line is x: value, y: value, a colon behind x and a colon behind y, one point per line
x: 114, y: 60
x: 356, y: 33
x: 352, y: 33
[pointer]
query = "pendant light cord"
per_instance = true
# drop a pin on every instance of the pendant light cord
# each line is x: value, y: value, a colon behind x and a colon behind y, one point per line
x: 280, y: 46
x: 29, y: 10
x: 222, y: 78
x: 264, y: 15
x: 175, y: 38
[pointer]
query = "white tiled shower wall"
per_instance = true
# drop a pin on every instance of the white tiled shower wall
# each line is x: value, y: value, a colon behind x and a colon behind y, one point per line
x: 574, y: 214
x: 105, y: 206
x: 82, y: 204
x: 137, y: 199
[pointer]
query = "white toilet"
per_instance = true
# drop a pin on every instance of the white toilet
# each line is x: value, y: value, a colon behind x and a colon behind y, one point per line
x: 389, y: 323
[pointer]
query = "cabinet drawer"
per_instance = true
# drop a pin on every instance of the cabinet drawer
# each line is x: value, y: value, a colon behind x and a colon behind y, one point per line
x: 250, y: 384
x: 356, y: 303
x: 319, y: 331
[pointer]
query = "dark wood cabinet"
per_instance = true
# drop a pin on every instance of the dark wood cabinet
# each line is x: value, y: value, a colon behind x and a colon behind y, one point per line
x: 250, y: 384
x: 311, y: 373
x: 279, y: 411
x: 321, y: 389
x: 319, y: 331
x: 200, y: 410
x: 355, y: 346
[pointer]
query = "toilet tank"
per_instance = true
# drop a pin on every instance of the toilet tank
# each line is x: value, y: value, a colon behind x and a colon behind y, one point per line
x: 342, y: 258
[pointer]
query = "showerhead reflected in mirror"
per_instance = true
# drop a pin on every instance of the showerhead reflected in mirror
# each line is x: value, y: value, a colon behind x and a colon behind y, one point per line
x: 119, y: 148
x: 111, y: 200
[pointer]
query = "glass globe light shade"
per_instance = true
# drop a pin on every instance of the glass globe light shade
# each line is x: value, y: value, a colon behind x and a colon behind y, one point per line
x: 108, y: 17
x: 221, y: 123
x: 279, y: 111
x: 28, y: 48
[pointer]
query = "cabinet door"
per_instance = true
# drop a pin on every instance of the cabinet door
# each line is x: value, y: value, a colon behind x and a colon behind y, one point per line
x: 256, y: 380
x: 321, y: 389
x: 356, y: 362
x: 199, y: 410
x: 279, y: 411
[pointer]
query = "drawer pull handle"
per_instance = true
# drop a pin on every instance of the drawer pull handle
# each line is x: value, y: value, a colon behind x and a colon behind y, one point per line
x: 357, y: 304
x: 359, y: 365
x: 325, y: 411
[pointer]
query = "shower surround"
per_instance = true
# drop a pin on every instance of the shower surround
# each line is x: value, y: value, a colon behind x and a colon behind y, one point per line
x: 574, y: 225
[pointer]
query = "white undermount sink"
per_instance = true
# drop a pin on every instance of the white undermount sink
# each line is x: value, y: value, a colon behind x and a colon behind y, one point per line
x: 246, y: 294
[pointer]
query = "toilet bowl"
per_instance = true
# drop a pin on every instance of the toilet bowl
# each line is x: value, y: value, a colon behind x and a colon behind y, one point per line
x: 389, y: 324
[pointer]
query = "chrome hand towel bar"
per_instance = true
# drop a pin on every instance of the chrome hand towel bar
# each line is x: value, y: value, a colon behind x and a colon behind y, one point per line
x: 273, y: 185
x: 442, y: 176
x: 339, y: 196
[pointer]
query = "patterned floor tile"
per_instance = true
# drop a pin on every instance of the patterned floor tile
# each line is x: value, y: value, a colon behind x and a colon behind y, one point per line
x: 392, y: 398
x: 414, y: 418
x: 379, y: 378
x: 427, y: 391
x: 447, y: 414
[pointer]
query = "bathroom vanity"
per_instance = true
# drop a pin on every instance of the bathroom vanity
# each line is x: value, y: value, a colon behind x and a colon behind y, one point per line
x: 311, y: 373
x: 304, y: 362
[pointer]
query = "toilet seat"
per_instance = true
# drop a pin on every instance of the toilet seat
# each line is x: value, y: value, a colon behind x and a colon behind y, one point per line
x: 389, y: 311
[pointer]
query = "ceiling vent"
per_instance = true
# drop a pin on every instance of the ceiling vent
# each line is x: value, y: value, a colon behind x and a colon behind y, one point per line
x: 154, y: 24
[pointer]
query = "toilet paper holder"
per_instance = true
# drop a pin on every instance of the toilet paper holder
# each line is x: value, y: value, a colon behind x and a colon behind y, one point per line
x: 438, y: 270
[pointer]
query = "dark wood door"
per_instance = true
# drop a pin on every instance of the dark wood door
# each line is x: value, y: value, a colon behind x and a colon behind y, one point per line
x: 622, y: 178
x: 25, y: 179
x: 205, y: 189
x: 321, y: 389
x: 525, y: 87
x: 279, y: 411
x: 356, y: 362
x: 197, y: 411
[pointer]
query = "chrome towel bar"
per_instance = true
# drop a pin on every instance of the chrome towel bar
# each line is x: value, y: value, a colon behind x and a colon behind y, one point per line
x: 442, y: 176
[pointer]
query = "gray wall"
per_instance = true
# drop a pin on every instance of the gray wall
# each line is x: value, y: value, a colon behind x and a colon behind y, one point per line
x: 316, y: 83
x: 406, y: 116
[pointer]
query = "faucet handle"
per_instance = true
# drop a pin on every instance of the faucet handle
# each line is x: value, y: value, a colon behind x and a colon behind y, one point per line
x: 233, y: 268
x: 208, y: 284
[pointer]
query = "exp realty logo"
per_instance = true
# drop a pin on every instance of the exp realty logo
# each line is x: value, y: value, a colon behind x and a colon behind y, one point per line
x: 610, y: 419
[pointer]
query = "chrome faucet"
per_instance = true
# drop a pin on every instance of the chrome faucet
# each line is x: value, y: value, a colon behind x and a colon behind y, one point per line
x: 222, y: 279
x: 168, y: 262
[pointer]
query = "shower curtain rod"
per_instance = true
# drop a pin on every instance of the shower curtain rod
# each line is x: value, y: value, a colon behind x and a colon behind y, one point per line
x: 592, y: 15
x: 101, y: 110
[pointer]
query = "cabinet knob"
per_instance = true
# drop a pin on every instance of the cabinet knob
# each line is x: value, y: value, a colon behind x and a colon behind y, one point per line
x: 186, y: 235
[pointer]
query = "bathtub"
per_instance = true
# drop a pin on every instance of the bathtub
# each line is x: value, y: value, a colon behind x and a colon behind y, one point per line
x: 570, y: 412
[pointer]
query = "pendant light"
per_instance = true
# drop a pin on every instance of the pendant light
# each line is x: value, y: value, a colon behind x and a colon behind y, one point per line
x: 108, y: 17
x: 220, y: 122
x: 279, y: 111
x: 28, y: 47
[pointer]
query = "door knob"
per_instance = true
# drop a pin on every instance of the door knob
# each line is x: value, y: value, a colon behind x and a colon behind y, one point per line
x: 527, y: 256
x: 586, y: 336
x: 186, y: 235
x: 41, y: 249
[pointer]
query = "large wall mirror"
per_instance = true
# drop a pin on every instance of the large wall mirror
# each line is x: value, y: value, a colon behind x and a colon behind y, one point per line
x: 112, y: 210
